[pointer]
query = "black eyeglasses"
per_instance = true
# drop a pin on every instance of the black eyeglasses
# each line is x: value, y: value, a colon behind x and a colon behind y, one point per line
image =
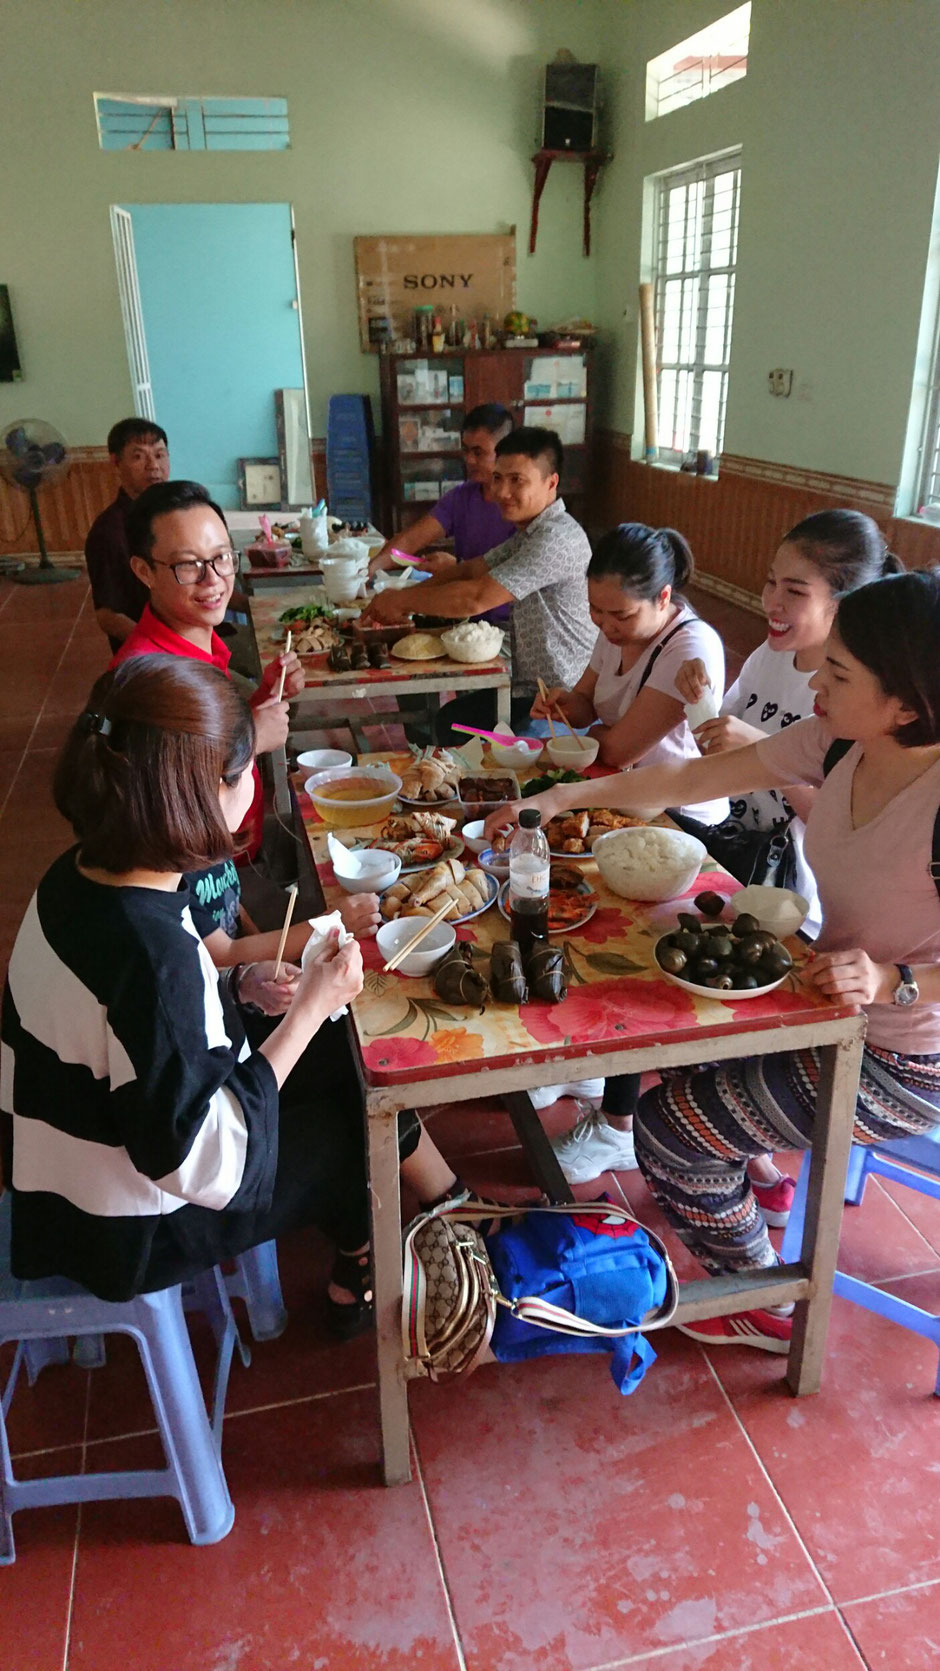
x: 193, y: 570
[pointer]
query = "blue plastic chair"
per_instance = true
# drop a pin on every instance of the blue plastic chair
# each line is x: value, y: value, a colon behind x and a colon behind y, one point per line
x: 41, y: 1315
x: 255, y: 1280
x: 888, y: 1160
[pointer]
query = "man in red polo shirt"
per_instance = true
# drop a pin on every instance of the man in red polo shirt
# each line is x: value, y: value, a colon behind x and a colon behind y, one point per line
x: 182, y: 553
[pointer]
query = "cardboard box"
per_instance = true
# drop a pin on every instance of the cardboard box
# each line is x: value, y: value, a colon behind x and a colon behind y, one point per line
x: 474, y: 272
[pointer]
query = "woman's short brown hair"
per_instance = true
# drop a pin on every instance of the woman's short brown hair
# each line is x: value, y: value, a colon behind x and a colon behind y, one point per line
x: 138, y: 779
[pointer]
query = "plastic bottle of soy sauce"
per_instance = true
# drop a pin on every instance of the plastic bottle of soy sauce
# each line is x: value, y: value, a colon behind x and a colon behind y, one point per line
x: 529, y: 882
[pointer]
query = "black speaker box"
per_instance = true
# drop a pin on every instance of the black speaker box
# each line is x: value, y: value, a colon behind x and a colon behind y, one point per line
x: 569, y: 109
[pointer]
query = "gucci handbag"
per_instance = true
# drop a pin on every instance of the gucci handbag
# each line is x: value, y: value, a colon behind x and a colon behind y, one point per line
x: 556, y: 1279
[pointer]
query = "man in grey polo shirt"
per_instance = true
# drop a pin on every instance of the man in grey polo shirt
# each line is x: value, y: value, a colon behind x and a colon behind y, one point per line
x: 540, y: 569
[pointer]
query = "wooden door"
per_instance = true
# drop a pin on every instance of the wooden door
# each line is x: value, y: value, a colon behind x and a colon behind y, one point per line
x: 494, y: 376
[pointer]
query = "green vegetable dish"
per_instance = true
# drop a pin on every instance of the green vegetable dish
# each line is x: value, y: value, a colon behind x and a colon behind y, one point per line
x: 308, y: 612
x: 536, y: 785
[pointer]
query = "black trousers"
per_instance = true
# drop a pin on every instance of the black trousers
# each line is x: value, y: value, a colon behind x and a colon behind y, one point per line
x: 321, y: 1167
x: 477, y: 708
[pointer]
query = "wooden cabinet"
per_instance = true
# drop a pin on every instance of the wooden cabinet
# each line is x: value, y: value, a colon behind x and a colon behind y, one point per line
x: 425, y: 399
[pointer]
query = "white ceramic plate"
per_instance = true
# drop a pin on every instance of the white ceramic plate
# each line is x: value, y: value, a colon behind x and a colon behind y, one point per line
x: 453, y: 921
x: 590, y: 906
x: 736, y: 995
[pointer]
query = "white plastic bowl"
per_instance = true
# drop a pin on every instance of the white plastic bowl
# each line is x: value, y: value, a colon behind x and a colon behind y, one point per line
x: 378, y: 870
x: 575, y: 756
x: 658, y: 879
x: 321, y: 759
x: 472, y: 835
x: 346, y: 814
x: 779, y: 910
x: 513, y: 755
x: 454, y: 642
x: 392, y: 936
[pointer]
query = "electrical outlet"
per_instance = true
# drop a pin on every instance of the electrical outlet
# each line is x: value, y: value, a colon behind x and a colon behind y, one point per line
x: 780, y: 381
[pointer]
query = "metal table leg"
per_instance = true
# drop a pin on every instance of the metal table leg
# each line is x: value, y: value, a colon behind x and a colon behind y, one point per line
x: 828, y: 1162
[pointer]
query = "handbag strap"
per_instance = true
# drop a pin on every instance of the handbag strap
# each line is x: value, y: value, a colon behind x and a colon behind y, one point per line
x: 531, y: 1307
x: 654, y: 656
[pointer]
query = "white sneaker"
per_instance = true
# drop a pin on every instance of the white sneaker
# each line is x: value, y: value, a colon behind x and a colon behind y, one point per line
x: 587, y: 1090
x: 592, y: 1147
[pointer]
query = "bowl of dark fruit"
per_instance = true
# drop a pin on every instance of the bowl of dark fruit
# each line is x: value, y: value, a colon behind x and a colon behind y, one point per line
x: 719, y: 960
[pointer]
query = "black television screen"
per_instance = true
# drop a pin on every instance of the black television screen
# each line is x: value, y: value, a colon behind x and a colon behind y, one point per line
x: 10, y: 371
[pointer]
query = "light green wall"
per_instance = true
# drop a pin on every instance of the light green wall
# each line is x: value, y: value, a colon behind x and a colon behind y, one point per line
x: 406, y: 116
x: 420, y: 115
x: 839, y: 119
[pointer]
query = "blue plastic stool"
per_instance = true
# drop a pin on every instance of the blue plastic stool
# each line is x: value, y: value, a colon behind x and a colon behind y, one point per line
x: 36, y: 1314
x: 255, y: 1280
x: 888, y: 1160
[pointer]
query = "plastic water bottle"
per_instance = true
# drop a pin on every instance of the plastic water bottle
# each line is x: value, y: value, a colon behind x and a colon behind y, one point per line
x: 529, y: 881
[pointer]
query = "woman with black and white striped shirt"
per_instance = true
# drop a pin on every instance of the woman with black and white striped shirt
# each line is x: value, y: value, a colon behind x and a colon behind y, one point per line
x: 142, y: 1138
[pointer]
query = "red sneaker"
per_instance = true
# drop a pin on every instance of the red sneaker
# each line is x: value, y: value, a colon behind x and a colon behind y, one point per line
x: 762, y: 1329
x: 775, y: 1201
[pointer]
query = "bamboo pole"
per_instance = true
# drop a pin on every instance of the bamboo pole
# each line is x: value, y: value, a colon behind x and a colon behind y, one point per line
x: 648, y: 349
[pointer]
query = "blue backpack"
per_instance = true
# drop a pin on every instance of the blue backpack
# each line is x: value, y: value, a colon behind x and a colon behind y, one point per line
x: 584, y: 1278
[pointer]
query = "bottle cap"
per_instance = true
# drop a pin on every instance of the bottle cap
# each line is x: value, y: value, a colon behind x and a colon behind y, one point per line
x: 530, y: 818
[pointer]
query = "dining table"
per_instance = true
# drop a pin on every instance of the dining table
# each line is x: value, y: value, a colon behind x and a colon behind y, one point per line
x: 436, y: 677
x: 621, y: 1015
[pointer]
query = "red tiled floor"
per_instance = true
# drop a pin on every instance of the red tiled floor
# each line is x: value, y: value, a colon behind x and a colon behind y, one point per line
x: 853, y: 1463
x: 35, y: 1590
x: 899, y: 1632
x: 323, y: 1566
x: 817, y: 1643
x: 638, y: 1545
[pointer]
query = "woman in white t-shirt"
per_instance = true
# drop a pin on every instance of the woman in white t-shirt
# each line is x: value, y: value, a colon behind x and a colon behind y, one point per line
x: 822, y: 558
x: 870, y: 838
x: 627, y: 694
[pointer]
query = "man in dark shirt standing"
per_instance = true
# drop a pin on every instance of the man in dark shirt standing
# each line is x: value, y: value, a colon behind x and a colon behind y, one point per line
x: 138, y: 450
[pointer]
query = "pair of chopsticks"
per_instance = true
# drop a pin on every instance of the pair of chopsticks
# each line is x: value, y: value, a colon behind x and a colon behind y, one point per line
x: 280, y: 688
x: 425, y: 928
x: 560, y: 712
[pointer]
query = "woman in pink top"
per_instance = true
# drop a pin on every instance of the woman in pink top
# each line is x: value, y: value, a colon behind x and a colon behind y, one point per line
x: 869, y: 841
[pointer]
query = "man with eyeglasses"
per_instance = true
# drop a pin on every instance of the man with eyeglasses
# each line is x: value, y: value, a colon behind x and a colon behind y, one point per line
x: 182, y: 555
x: 138, y: 452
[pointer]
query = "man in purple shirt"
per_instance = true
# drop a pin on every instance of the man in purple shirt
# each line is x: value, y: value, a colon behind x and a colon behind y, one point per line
x: 466, y: 514
x: 138, y: 450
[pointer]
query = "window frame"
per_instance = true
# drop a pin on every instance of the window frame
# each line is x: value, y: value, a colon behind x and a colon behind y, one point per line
x: 928, y: 470
x: 705, y: 172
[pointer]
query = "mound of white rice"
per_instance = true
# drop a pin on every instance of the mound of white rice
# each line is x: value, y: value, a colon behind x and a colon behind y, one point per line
x: 649, y: 864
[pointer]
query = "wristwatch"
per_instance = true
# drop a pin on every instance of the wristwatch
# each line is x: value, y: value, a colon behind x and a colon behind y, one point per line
x: 907, y: 990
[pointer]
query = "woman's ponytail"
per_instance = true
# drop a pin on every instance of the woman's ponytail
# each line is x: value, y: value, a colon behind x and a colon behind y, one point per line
x: 645, y: 560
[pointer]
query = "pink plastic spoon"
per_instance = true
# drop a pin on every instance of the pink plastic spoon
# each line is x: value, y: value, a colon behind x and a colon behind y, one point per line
x: 505, y: 739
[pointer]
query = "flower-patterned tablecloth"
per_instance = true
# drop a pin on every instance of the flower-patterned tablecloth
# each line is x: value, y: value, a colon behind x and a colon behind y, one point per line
x: 267, y: 606
x: 615, y: 993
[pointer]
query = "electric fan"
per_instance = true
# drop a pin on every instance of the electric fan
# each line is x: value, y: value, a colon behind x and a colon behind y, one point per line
x: 33, y: 454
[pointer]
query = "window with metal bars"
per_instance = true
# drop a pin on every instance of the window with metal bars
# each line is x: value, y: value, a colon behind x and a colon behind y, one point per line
x: 695, y: 242
x: 165, y: 123
x: 700, y: 65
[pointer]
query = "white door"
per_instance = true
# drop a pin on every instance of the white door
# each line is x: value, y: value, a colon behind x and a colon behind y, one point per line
x: 122, y: 229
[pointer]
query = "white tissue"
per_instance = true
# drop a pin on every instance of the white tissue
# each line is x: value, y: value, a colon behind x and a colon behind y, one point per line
x: 321, y: 928
x: 344, y: 861
x: 707, y: 707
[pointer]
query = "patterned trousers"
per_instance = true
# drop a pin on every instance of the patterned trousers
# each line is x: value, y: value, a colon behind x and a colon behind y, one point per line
x: 695, y: 1132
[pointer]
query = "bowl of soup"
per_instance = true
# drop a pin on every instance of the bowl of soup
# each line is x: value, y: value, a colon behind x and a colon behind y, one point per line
x: 348, y: 795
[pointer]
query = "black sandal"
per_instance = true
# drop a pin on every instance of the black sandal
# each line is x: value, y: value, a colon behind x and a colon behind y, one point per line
x: 461, y: 1195
x: 354, y: 1272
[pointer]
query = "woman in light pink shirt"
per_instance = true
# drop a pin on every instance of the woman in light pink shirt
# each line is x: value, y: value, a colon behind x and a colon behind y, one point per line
x: 869, y: 841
